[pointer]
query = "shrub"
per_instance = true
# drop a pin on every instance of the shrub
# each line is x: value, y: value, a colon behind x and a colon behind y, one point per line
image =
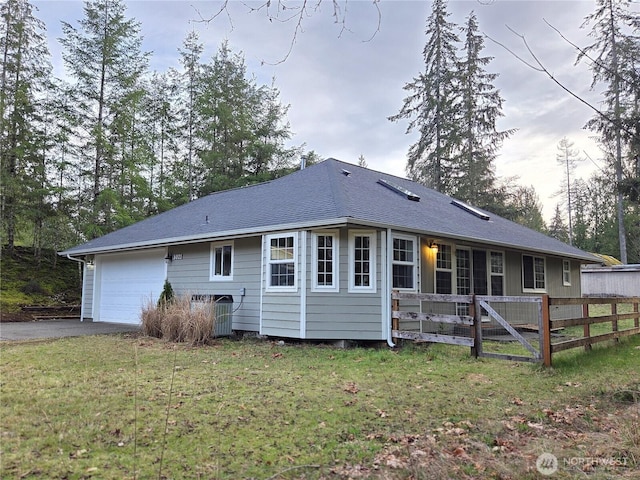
x: 166, y: 296
x: 33, y: 287
x: 177, y: 321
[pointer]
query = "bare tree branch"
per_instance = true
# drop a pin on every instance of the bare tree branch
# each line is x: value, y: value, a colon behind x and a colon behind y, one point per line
x: 538, y: 66
x: 282, y: 11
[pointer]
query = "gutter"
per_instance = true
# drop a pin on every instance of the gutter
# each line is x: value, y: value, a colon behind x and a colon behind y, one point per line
x: 83, y: 262
x: 387, y: 291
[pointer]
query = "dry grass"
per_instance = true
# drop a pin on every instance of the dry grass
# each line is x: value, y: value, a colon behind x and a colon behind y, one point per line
x: 179, y: 321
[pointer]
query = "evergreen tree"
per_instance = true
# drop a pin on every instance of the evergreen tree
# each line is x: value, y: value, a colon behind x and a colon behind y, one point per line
x: 433, y: 105
x: 557, y: 227
x: 190, y: 91
x: 480, y: 107
x: 104, y: 59
x: 613, y: 51
x: 25, y: 73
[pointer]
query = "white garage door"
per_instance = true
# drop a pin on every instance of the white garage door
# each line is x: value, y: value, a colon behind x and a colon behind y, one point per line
x: 127, y: 282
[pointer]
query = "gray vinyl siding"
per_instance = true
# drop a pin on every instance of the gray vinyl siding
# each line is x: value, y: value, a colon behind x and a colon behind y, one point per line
x: 87, y: 293
x: 343, y: 315
x: 281, y: 310
x: 191, y: 276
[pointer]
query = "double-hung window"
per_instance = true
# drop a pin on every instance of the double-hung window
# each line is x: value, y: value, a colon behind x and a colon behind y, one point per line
x: 533, y: 274
x: 362, y: 262
x: 281, y: 262
x: 444, y: 269
x: 221, y: 268
x: 497, y: 273
x: 325, y: 261
x: 566, y: 273
x: 404, y: 262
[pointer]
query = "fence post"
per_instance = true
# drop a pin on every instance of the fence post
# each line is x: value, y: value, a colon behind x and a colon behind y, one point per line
x: 636, y: 320
x: 395, y: 307
x: 587, y: 327
x: 546, y: 331
x: 614, y: 322
x: 476, y: 328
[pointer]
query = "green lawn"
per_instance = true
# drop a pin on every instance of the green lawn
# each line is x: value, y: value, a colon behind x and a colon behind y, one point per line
x: 117, y: 407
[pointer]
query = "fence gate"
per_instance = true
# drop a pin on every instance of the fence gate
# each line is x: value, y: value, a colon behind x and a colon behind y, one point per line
x: 469, y: 312
x: 481, y: 303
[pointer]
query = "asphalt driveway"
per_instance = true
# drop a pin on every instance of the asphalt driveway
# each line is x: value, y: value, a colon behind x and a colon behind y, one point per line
x: 59, y: 328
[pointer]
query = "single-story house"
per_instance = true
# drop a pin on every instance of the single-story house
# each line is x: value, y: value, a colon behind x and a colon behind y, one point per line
x: 316, y: 254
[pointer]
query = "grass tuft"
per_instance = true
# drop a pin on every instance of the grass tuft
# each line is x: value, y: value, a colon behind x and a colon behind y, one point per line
x: 179, y: 321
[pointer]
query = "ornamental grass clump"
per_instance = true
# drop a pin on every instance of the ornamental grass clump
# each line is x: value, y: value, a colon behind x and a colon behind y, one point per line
x: 178, y: 320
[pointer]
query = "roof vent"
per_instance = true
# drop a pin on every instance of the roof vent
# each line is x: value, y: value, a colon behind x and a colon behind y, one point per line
x: 346, y: 173
x: 472, y: 210
x: 409, y: 195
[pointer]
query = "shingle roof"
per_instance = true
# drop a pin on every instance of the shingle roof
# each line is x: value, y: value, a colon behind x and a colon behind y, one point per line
x: 324, y: 194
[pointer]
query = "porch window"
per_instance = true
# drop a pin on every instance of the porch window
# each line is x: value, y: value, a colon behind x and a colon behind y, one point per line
x: 325, y: 261
x: 362, y: 262
x: 221, y: 267
x: 497, y: 273
x: 444, y: 270
x: 566, y: 273
x: 281, y: 267
x: 533, y: 273
x: 404, y: 260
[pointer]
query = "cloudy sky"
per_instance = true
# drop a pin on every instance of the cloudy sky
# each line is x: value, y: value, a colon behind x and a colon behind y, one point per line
x: 342, y: 81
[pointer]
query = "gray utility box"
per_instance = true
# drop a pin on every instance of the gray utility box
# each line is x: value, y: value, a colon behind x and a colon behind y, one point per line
x: 222, y: 309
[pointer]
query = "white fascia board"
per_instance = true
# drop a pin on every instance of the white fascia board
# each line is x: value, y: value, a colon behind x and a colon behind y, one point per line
x: 211, y: 236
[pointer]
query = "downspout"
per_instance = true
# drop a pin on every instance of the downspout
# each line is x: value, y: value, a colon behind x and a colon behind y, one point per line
x: 84, y: 278
x: 387, y: 290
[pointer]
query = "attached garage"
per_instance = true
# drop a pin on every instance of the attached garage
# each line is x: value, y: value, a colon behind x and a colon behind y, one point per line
x: 125, y: 282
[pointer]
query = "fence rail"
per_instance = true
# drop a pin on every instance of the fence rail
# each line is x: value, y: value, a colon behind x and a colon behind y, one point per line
x: 480, y: 305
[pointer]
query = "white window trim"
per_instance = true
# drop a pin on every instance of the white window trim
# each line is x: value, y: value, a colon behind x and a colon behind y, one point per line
x: 372, y: 288
x: 544, y: 261
x: 220, y: 278
x: 269, y: 262
x: 314, y: 261
x: 414, y: 263
x: 566, y: 283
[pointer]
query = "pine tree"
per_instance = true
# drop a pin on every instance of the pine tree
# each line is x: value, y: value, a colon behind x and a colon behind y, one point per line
x: 557, y: 227
x: 104, y: 59
x: 614, y: 47
x: 432, y: 105
x: 479, y: 109
x: 190, y: 92
x: 25, y: 73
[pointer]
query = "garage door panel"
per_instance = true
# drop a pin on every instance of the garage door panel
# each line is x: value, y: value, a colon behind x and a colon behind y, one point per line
x: 127, y: 282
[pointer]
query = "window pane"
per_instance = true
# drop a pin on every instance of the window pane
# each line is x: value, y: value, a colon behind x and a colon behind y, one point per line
x: 539, y: 272
x: 402, y: 276
x: 527, y: 271
x: 444, y: 257
x: 463, y: 272
x: 497, y: 262
x: 217, y: 261
x: 226, y: 260
x: 282, y: 275
x: 443, y: 282
x: 497, y: 287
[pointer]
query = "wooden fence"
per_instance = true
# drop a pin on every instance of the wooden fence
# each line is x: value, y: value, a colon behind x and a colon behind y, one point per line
x: 478, y: 306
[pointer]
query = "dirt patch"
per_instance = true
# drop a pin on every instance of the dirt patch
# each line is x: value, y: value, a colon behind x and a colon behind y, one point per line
x: 16, y: 317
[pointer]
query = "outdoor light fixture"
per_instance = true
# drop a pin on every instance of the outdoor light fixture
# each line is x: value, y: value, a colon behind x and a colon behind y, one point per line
x: 90, y: 263
x: 434, y: 247
x: 168, y: 258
